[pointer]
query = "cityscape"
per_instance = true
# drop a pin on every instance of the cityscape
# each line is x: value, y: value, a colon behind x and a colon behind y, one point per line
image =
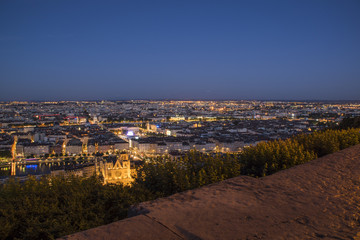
x: 53, y: 137
x: 191, y: 119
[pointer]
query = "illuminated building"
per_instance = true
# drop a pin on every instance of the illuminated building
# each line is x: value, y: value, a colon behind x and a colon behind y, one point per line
x: 116, y: 171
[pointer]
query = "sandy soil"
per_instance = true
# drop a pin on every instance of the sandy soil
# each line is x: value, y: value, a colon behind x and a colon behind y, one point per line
x: 317, y: 200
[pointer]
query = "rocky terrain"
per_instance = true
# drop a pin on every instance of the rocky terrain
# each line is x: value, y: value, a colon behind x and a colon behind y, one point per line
x: 317, y: 200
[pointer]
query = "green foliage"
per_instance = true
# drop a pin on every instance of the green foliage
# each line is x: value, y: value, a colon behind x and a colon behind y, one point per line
x: 56, y: 206
x: 164, y: 177
x: 269, y: 157
x: 329, y: 141
x: 350, y: 122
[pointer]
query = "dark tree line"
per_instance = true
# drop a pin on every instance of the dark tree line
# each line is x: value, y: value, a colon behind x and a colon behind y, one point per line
x: 350, y: 122
x: 56, y: 206
x: 163, y: 177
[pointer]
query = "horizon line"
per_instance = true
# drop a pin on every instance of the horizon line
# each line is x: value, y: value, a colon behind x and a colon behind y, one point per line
x: 194, y: 99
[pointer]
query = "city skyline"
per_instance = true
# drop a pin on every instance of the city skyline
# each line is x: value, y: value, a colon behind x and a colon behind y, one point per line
x: 228, y: 50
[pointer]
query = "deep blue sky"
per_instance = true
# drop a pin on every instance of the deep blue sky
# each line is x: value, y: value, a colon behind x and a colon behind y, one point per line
x: 74, y: 50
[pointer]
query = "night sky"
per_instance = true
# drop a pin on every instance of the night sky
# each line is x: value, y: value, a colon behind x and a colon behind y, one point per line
x: 94, y: 50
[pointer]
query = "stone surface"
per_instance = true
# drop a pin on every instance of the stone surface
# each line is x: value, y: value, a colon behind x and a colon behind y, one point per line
x: 317, y: 200
x: 140, y: 227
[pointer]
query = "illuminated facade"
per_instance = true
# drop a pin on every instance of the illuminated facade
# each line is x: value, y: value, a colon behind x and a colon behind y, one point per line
x: 118, y: 171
